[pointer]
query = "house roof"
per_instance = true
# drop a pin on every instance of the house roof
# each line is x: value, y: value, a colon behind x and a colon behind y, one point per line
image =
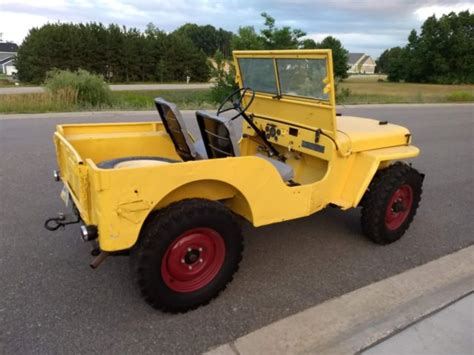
x: 6, y: 60
x: 354, y: 58
x: 8, y: 47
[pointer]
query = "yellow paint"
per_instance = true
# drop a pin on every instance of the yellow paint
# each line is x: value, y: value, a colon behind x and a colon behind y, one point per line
x: 335, y: 168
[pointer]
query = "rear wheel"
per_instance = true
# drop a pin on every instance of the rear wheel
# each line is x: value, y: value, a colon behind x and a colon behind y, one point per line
x: 187, y: 254
x: 390, y: 203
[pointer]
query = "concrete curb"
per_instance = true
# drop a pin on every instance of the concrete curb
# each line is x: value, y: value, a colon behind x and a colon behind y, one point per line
x: 354, y: 321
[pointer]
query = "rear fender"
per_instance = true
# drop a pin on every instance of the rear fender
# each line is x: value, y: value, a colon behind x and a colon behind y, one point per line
x: 214, y: 190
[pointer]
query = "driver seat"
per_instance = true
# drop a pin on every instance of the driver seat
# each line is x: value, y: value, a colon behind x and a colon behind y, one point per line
x: 221, y: 136
x: 176, y: 128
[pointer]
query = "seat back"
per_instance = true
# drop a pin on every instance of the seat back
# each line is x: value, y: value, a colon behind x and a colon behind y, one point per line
x: 174, y: 125
x: 220, y: 135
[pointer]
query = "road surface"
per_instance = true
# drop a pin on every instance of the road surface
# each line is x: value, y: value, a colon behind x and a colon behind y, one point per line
x: 52, y: 302
x: 125, y: 87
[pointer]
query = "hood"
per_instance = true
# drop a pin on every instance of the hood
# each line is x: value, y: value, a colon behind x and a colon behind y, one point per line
x: 355, y: 134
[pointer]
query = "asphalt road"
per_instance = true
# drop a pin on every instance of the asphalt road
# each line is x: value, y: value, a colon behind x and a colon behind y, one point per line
x: 125, y: 87
x: 52, y: 302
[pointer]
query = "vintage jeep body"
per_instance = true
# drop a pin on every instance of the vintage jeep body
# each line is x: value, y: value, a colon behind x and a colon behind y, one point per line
x: 171, y: 200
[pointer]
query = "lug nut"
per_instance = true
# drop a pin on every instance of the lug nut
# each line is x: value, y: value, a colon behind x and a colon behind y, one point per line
x: 182, y: 261
x: 200, y: 249
x: 200, y: 260
x: 189, y: 249
x: 190, y: 267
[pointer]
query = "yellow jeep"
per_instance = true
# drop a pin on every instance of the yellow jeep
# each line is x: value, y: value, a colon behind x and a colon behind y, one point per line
x: 275, y: 150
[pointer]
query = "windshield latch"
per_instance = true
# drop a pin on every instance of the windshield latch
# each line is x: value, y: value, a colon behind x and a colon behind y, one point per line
x: 317, y: 135
x: 277, y: 96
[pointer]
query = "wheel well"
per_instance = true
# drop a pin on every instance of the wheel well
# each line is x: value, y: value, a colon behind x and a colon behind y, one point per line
x: 214, y: 190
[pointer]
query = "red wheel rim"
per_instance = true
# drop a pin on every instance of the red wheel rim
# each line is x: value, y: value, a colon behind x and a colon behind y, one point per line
x: 193, y: 260
x: 399, y: 207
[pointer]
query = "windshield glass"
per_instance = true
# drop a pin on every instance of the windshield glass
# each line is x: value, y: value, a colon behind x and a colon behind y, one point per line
x: 258, y: 74
x: 303, y: 77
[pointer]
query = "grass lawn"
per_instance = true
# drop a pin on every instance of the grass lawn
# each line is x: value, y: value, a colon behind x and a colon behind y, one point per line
x: 121, y: 100
x: 361, y: 89
x: 366, y: 89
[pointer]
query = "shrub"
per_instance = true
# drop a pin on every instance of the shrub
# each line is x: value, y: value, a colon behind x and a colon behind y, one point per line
x: 82, y: 87
x: 342, y: 93
x: 224, y: 80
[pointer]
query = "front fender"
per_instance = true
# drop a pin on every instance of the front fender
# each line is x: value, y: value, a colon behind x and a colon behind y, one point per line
x: 364, y: 168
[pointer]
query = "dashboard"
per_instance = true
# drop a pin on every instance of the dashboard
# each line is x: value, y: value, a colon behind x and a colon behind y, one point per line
x: 293, y: 138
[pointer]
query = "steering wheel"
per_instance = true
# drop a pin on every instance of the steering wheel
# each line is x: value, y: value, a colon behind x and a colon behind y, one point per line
x: 235, y: 99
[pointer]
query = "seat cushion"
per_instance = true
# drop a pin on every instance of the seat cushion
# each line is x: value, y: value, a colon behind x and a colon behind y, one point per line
x: 134, y: 162
x: 285, y: 170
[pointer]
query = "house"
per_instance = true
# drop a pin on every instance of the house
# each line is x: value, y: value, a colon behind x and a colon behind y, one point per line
x: 360, y: 63
x: 7, y: 56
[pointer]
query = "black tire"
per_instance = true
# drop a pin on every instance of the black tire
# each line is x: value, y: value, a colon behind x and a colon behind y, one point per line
x: 110, y: 164
x: 384, y: 226
x: 163, y: 233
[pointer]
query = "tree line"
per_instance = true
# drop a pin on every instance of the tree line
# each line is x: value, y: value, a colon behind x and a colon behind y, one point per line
x: 443, y: 52
x: 117, y: 53
x: 123, y: 54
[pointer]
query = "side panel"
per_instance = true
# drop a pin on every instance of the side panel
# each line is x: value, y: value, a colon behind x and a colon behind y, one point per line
x: 249, y: 185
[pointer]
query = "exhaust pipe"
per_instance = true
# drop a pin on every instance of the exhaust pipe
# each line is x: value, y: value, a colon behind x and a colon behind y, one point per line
x: 98, y: 259
x: 89, y: 232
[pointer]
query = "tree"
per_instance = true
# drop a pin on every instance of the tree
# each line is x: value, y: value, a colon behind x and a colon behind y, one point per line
x: 308, y: 43
x: 272, y: 37
x: 392, y: 62
x: 340, y: 56
x: 279, y: 38
x: 224, y: 79
x: 117, y: 53
x: 443, y: 52
x: 247, y: 38
x: 207, y: 38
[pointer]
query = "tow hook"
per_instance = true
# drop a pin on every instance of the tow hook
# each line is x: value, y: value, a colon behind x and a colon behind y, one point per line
x: 54, y: 223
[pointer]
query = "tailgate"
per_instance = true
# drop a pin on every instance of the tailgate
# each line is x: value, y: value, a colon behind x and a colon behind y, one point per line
x: 73, y: 174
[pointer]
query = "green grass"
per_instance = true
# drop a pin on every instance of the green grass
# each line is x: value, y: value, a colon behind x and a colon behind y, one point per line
x: 143, y: 100
x: 362, y: 90
x: 366, y: 89
x: 121, y: 100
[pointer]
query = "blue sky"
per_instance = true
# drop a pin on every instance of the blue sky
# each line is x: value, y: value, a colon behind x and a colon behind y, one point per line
x: 368, y: 26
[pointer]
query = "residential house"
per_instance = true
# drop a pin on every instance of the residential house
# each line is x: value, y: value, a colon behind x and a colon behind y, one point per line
x: 360, y: 63
x: 7, y: 55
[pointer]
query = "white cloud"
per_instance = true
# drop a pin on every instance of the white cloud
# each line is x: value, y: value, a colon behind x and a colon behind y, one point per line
x: 424, y: 12
x: 119, y: 9
x: 362, y: 25
x: 15, y: 26
x: 33, y: 5
x: 372, y: 44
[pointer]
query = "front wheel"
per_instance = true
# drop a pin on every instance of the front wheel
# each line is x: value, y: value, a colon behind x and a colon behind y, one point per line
x: 390, y: 203
x: 187, y: 254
